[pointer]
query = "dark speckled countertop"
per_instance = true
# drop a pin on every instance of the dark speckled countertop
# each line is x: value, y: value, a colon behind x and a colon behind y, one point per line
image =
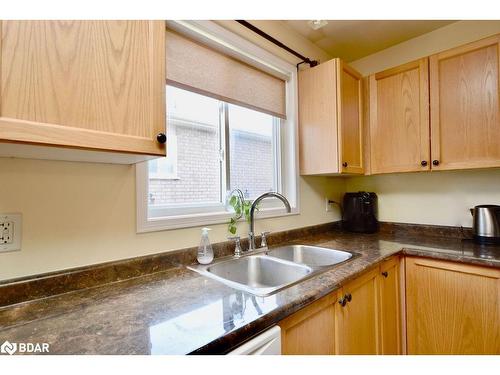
x: 177, y: 311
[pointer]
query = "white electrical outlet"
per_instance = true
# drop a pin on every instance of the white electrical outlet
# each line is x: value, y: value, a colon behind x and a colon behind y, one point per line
x: 10, y: 232
x: 328, y: 205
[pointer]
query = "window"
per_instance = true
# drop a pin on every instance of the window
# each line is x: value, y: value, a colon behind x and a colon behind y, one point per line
x: 215, y: 142
x: 213, y: 148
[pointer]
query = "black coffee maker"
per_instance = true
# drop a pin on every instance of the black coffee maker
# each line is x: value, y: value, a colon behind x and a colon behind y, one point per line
x: 360, y: 212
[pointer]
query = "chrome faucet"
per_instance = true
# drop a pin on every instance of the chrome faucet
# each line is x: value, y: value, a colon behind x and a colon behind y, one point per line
x: 271, y: 194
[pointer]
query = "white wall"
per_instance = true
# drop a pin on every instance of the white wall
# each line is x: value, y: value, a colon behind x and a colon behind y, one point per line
x: 440, y: 198
x: 77, y: 214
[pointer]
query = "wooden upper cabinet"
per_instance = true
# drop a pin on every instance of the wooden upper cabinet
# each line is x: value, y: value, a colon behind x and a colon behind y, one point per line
x: 399, y: 119
x: 97, y: 85
x: 465, y: 119
x: 357, y: 328
x: 330, y: 120
x: 350, y: 118
x: 452, y: 308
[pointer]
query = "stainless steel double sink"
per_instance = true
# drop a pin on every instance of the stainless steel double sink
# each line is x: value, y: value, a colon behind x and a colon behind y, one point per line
x: 266, y: 271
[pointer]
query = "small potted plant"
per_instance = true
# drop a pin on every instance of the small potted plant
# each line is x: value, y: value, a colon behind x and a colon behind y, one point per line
x: 241, y: 208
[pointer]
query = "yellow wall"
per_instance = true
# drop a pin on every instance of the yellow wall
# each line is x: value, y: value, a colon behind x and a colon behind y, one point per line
x: 449, y: 36
x: 440, y: 198
x: 77, y: 214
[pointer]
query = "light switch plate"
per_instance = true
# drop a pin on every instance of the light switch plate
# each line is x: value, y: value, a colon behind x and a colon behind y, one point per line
x: 10, y: 232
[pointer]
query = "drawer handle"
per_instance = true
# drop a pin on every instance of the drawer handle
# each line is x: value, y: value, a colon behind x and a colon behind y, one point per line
x: 385, y: 274
x: 161, y: 138
x: 344, y: 164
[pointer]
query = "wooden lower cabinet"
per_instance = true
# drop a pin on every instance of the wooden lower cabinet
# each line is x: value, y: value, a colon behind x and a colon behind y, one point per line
x: 404, y: 306
x: 390, y: 307
x: 357, y: 327
x: 452, y: 308
x: 350, y: 320
x: 310, y: 330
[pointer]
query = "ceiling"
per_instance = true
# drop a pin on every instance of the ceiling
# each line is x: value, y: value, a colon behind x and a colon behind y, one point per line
x: 351, y: 40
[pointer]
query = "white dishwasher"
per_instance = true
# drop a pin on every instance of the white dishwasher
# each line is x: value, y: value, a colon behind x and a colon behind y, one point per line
x: 267, y: 343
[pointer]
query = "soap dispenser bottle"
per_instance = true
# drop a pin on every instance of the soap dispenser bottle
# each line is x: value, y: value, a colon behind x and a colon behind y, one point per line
x: 205, y: 251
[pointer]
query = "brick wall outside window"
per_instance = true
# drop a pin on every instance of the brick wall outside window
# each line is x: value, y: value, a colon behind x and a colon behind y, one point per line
x: 198, y: 168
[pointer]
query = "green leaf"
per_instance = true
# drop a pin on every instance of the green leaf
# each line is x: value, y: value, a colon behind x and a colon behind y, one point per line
x: 233, y: 201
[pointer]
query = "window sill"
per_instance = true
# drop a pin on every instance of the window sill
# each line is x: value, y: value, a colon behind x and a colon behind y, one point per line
x: 195, y: 220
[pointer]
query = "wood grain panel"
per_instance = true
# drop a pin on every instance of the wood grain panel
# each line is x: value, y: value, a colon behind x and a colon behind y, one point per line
x: 366, y: 126
x: 390, y: 312
x: 94, y: 77
x: 465, y: 120
x: 357, y: 323
x: 399, y: 119
x: 310, y: 330
x: 452, y: 308
x: 350, y: 118
x: 318, y: 135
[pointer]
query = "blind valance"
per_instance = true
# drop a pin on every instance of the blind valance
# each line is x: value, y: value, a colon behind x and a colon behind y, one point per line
x: 201, y: 69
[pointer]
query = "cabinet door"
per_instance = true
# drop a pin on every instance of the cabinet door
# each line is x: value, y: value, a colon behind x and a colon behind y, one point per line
x: 318, y: 120
x: 399, y: 119
x: 390, y: 310
x: 465, y: 120
x: 357, y: 322
x: 452, y: 308
x: 84, y: 84
x: 310, y: 330
x: 350, y: 119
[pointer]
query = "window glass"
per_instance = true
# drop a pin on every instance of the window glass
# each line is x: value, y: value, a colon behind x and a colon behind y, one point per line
x: 252, y: 150
x: 191, y: 172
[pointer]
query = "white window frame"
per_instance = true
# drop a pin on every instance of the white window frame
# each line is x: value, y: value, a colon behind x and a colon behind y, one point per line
x: 172, y: 147
x: 210, y: 33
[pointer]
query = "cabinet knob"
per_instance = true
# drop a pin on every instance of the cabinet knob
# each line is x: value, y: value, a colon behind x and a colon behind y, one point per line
x: 435, y: 162
x: 348, y: 297
x: 343, y: 301
x: 161, y: 138
x: 344, y: 164
x: 385, y: 274
x: 424, y: 163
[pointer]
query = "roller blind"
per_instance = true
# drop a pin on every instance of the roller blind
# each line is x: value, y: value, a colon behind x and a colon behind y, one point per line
x: 198, y: 68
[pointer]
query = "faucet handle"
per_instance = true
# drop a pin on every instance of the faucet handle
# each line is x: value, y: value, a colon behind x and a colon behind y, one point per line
x: 237, y: 245
x: 263, y: 241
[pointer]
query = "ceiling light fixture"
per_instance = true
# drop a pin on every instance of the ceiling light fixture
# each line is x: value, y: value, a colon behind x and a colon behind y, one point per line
x: 317, y: 24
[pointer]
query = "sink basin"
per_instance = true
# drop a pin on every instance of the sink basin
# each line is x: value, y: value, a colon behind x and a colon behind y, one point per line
x: 268, y: 271
x: 257, y: 274
x: 312, y: 256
